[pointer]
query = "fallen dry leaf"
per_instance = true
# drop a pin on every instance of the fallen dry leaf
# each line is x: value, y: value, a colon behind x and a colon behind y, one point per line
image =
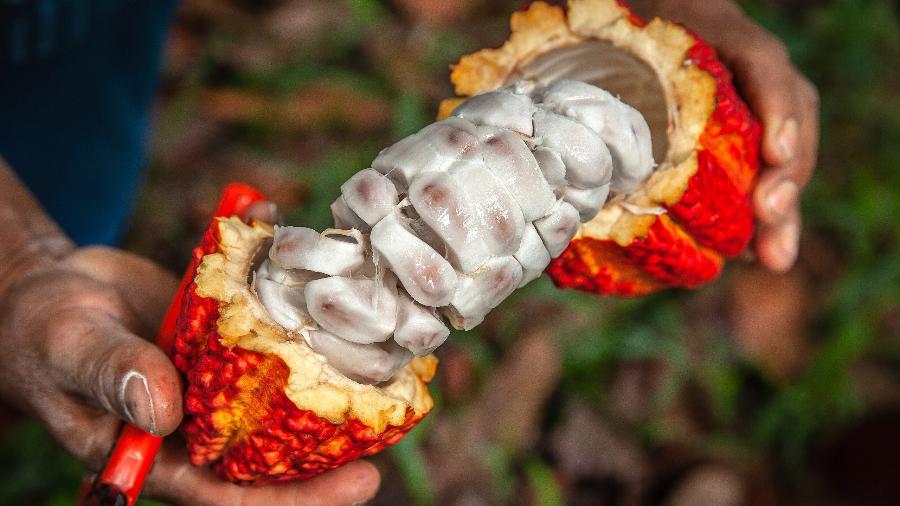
x: 632, y: 389
x: 770, y: 317
x: 709, y: 485
x: 314, y: 107
x: 434, y: 12
x: 588, y: 446
x: 456, y: 373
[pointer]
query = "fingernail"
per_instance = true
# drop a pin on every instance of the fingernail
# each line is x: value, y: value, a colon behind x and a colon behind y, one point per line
x: 786, y: 139
x: 136, y: 401
x: 788, y: 239
x: 782, y: 197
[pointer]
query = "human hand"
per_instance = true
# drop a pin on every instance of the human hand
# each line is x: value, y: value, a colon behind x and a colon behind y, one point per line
x: 783, y: 99
x: 70, y: 355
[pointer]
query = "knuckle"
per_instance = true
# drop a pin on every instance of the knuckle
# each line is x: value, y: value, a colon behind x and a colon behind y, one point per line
x: 809, y: 93
x: 802, y: 169
x: 99, y: 378
x: 243, y: 498
x: 95, y: 251
x: 769, y: 48
x: 760, y: 49
x: 806, y: 170
x: 93, y: 451
x: 85, y: 435
x: 776, y: 51
x: 91, y: 259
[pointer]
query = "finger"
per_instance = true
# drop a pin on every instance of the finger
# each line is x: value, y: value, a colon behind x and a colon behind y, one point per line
x: 174, y: 479
x: 792, y: 144
x: 775, y: 196
x: 778, y: 188
x: 765, y: 76
x: 777, y: 245
x: 263, y: 210
x: 781, y: 97
x: 88, y: 434
x: 145, y: 286
x: 787, y: 105
x: 785, y: 102
x: 93, y: 355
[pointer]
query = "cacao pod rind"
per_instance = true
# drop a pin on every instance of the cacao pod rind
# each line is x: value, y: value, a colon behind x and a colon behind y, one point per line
x: 238, y: 416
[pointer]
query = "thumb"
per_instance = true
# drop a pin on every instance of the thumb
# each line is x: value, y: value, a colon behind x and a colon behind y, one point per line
x: 146, y: 287
x: 121, y: 372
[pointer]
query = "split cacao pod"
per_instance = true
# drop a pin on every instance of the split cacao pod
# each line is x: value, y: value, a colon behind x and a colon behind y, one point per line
x: 695, y: 210
x: 262, y: 407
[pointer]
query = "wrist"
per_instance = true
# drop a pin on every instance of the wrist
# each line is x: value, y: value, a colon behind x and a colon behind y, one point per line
x: 31, y: 254
x: 29, y: 239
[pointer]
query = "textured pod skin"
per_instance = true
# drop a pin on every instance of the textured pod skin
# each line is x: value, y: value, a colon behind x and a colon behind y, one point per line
x: 260, y: 413
x: 700, y: 193
x: 241, y: 407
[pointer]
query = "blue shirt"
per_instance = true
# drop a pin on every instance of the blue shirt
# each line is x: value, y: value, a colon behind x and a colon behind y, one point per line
x: 77, y: 79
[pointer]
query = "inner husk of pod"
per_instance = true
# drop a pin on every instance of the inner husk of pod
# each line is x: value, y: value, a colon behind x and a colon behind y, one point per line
x: 313, y: 385
x: 612, y: 68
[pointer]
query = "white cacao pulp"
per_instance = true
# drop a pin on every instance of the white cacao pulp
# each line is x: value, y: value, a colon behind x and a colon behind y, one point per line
x: 449, y: 221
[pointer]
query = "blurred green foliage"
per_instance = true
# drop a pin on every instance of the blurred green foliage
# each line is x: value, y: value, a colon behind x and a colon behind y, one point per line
x: 849, y: 49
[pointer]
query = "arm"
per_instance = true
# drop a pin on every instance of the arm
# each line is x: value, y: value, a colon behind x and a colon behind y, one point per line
x: 784, y: 100
x: 71, y: 356
x: 29, y: 239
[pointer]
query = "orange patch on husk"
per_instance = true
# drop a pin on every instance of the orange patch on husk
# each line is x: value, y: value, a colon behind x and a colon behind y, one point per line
x: 599, y: 266
x: 665, y: 257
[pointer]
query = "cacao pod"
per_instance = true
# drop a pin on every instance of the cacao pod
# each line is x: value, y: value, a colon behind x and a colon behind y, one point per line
x: 263, y: 407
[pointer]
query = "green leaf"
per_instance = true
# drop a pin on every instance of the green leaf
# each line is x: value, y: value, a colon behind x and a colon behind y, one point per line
x: 543, y: 482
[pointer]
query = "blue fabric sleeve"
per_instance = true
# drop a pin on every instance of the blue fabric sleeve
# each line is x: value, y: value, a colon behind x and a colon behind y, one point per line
x: 77, y: 79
